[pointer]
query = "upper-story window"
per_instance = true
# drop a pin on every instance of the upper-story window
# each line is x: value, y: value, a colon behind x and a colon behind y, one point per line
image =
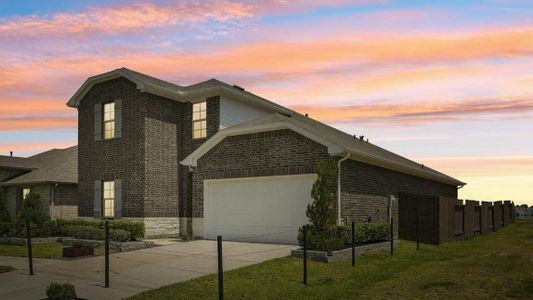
x: 109, y: 199
x: 199, y: 120
x: 109, y: 120
x: 25, y: 193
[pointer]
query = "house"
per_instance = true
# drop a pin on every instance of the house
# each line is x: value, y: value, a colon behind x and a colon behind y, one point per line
x: 213, y: 158
x: 52, y: 174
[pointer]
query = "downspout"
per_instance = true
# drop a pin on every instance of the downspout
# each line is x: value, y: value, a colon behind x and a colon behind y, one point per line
x: 339, y: 221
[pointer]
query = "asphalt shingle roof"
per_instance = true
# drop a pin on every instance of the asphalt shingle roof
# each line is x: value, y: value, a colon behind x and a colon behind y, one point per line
x: 56, y: 165
x: 351, y: 144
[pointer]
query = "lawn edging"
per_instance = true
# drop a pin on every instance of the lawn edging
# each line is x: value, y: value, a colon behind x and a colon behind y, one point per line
x: 344, y: 254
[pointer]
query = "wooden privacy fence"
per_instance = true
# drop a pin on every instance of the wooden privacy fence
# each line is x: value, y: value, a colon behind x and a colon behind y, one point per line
x: 444, y: 219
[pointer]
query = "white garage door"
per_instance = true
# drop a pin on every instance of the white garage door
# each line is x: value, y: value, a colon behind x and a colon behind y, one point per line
x: 259, y: 209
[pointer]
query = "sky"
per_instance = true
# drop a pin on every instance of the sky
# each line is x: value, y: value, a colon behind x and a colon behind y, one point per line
x: 446, y: 83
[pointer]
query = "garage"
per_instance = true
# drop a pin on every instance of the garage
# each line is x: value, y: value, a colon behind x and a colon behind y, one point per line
x: 259, y: 209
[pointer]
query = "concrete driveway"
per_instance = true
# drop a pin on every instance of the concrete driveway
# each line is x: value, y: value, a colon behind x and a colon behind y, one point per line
x: 131, y: 272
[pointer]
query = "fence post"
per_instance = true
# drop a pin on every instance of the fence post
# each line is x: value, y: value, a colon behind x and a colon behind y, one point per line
x: 220, y: 269
x: 391, y: 236
x: 464, y: 221
x: 417, y: 232
x: 353, y: 244
x: 493, y: 217
x: 305, y: 255
x: 28, y: 242
x: 106, y: 231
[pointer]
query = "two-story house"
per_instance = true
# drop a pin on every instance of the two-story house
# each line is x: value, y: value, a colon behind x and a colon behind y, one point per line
x: 212, y: 158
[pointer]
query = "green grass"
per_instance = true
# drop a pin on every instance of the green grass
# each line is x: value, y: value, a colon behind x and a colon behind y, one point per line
x: 497, y: 265
x: 4, y: 269
x: 51, y: 250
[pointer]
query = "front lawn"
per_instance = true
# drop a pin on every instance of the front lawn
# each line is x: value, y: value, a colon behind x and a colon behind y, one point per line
x: 496, y: 265
x: 4, y: 269
x: 51, y: 250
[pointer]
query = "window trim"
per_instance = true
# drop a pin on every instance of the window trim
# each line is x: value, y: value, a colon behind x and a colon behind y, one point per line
x: 112, y: 199
x: 104, y: 121
x: 200, y: 120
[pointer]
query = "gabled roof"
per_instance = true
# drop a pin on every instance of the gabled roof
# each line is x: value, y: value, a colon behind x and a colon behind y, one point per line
x: 53, y: 166
x: 336, y: 141
x: 10, y: 162
x: 195, y: 92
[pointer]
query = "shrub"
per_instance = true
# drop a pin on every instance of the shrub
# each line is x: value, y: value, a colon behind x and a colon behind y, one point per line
x: 6, y: 228
x: 323, y: 230
x: 4, y: 213
x: 60, y: 291
x: 32, y: 211
x: 119, y: 235
x: 83, y: 232
x: 46, y: 229
x: 364, y: 234
x: 135, y: 229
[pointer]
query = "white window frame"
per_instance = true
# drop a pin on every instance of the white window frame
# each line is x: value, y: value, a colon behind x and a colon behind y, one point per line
x: 109, y: 120
x: 199, y: 120
x: 108, y: 199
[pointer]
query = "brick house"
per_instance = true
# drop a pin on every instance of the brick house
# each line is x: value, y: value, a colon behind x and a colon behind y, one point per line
x: 212, y: 158
x: 52, y: 174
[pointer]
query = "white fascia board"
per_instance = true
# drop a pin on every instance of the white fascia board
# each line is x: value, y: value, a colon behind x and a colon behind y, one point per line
x: 192, y: 159
x: 91, y: 81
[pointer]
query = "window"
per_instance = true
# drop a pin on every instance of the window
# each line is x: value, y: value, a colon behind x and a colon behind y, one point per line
x: 109, y: 199
x: 25, y: 193
x: 109, y: 120
x: 199, y: 120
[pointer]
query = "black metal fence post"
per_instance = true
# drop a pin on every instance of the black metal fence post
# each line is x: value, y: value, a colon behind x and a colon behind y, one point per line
x: 417, y: 233
x: 305, y: 255
x: 353, y: 244
x: 220, y: 269
x: 28, y: 242
x: 106, y: 230
x: 391, y: 236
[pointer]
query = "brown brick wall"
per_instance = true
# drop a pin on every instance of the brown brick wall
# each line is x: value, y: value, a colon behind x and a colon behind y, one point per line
x: 361, y: 178
x: 156, y: 136
x: 122, y: 157
x: 281, y: 152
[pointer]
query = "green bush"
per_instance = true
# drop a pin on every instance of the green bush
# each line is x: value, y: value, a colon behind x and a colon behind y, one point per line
x: 5, y: 228
x: 4, y: 213
x: 94, y: 233
x: 367, y: 233
x: 46, y: 229
x: 135, y: 230
x: 119, y: 235
x: 60, y: 291
x: 83, y: 232
x: 32, y: 211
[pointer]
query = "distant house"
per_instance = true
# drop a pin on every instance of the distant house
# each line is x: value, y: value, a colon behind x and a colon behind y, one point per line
x: 523, y: 210
x: 52, y: 174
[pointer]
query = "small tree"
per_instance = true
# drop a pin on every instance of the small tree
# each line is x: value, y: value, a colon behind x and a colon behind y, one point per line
x: 32, y: 210
x: 323, y: 229
x: 4, y: 213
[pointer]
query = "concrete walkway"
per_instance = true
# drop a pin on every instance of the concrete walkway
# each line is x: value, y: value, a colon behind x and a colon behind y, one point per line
x: 131, y: 272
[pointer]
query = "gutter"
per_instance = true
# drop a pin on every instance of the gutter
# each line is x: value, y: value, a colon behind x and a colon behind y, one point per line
x: 339, y: 220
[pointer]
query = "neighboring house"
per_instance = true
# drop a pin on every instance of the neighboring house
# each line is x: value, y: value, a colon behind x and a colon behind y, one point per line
x: 52, y: 174
x: 524, y: 211
x: 212, y: 158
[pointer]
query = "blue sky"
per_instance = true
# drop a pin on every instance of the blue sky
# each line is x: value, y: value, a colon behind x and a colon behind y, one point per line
x: 447, y: 83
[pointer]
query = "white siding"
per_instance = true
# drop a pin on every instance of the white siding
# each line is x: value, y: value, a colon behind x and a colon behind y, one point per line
x: 233, y: 112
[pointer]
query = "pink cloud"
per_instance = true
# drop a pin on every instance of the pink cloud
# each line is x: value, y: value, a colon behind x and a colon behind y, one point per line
x: 127, y: 18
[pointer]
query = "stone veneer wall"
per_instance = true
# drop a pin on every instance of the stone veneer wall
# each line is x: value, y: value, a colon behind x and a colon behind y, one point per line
x: 159, y: 227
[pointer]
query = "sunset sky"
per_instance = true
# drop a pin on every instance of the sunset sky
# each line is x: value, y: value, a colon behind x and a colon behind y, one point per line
x: 446, y: 83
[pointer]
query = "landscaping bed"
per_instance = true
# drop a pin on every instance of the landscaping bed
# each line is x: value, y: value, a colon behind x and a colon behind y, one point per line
x: 344, y: 254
